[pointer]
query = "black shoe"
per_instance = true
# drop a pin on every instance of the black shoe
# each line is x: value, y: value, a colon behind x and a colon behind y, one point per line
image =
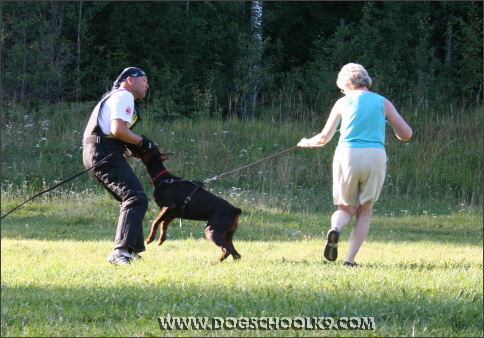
x: 350, y: 264
x: 120, y: 257
x: 331, y: 248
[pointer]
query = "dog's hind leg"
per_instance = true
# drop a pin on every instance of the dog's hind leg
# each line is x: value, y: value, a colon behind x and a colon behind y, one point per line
x: 229, y: 234
x: 164, y: 218
x: 217, y: 237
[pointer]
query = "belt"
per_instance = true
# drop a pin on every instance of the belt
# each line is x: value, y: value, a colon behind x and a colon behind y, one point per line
x: 99, y: 139
x: 93, y: 139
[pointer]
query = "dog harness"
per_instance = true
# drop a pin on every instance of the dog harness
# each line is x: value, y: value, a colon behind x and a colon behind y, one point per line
x: 187, y: 200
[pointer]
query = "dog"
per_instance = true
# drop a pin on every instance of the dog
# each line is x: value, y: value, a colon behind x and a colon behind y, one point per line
x: 186, y: 199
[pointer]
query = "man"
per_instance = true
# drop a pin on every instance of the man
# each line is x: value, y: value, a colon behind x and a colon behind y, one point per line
x: 107, y: 132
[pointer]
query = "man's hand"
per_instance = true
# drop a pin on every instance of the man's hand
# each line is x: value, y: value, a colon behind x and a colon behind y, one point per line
x: 146, y: 145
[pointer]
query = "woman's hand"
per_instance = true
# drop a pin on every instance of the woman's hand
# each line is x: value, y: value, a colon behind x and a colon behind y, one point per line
x: 311, y: 142
x: 303, y: 143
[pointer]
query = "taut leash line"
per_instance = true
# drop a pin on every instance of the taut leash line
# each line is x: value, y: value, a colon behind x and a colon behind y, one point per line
x: 104, y: 160
x: 250, y: 164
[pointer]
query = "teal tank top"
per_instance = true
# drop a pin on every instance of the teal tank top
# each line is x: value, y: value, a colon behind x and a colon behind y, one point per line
x: 363, y: 121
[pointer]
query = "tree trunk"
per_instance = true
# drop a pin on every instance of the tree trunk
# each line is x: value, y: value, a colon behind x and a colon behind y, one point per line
x: 78, y: 68
x: 448, y: 43
x: 254, y: 71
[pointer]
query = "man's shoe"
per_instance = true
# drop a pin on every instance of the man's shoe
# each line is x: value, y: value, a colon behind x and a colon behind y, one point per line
x: 348, y: 264
x: 331, y: 248
x: 136, y: 256
x: 120, y: 257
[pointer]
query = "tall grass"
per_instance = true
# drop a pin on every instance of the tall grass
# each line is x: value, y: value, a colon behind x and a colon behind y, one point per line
x: 440, y: 165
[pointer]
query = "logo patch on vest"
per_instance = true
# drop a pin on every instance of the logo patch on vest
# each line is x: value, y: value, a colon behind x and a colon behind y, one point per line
x: 128, y: 110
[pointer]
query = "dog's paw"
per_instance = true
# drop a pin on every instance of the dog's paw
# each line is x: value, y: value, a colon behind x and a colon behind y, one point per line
x: 162, y: 238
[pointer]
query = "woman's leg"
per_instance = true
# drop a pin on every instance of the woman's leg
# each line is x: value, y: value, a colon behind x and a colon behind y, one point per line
x: 342, y: 216
x: 360, y: 230
x: 339, y: 219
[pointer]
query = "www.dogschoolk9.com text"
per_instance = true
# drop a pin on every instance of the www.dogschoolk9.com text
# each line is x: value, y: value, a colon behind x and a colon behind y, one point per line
x: 266, y: 323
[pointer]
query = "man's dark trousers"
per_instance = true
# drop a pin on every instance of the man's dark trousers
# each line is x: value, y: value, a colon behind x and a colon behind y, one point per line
x: 117, y: 177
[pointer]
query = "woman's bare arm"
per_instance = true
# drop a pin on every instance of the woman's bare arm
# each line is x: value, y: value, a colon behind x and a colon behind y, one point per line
x: 401, y: 129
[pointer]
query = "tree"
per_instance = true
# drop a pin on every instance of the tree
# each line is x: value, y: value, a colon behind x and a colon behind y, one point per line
x: 222, y: 57
x: 36, y: 60
x: 467, y: 63
x: 255, y: 59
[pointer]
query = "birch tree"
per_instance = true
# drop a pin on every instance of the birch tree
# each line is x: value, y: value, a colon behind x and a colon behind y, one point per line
x: 254, y: 71
x: 78, y: 65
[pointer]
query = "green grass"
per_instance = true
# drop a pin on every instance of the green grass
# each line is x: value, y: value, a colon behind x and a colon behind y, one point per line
x: 420, y: 270
x: 419, y: 275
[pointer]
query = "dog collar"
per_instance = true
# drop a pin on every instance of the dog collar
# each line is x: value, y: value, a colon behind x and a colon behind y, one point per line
x: 158, y: 175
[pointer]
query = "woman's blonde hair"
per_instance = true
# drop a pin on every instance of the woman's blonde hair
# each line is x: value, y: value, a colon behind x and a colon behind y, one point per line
x: 353, y: 76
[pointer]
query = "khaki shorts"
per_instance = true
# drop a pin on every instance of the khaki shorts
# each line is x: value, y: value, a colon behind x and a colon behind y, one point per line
x: 358, y: 175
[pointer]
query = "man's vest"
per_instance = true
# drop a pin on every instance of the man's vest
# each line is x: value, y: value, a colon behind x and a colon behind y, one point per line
x: 92, y: 125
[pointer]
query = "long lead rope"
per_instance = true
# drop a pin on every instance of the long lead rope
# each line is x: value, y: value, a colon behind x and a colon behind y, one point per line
x: 104, y: 160
x: 250, y: 164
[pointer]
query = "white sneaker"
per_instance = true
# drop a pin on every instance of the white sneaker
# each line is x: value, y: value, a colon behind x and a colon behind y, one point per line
x: 120, y: 257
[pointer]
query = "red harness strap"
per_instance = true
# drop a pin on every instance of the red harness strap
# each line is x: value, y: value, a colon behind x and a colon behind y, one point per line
x: 158, y: 175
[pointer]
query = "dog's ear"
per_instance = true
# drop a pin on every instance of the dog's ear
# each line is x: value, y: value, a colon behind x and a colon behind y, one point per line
x: 165, y: 156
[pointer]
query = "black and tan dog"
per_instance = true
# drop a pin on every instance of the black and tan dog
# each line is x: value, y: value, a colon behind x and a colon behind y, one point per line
x: 186, y: 199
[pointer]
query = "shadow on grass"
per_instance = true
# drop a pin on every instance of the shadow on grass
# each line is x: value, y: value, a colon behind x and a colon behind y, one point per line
x: 252, y: 227
x: 133, y: 310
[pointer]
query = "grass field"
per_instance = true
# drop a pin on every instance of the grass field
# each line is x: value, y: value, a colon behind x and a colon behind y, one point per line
x: 420, y: 270
x: 419, y: 275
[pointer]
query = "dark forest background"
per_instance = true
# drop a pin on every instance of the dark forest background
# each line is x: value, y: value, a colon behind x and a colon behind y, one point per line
x: 243, y: 58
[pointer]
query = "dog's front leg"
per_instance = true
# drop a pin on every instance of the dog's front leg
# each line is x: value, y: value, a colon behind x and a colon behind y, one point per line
x: 164, y: 226
x: 156, y: 223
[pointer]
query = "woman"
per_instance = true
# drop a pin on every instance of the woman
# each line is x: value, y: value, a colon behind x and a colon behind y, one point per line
x: 359, y: 162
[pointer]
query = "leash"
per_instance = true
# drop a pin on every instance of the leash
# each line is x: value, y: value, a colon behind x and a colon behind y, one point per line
x: 250, y: 164
x: 199, y: 185
x: 104, y: 160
